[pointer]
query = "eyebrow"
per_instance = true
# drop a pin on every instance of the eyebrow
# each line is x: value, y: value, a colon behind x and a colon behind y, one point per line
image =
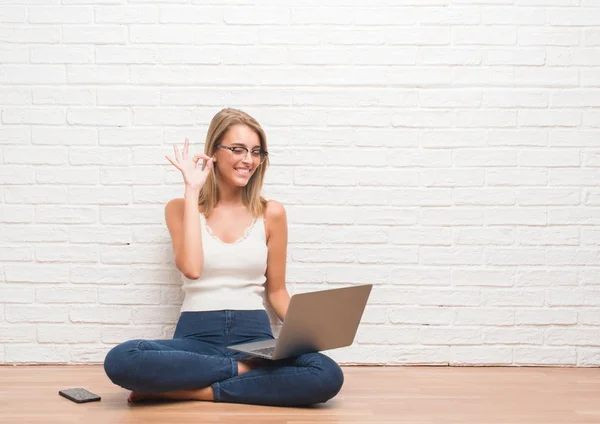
x: 242, y: 144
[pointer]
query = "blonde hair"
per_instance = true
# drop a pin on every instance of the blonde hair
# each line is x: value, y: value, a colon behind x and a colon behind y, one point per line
x: 251, y: 194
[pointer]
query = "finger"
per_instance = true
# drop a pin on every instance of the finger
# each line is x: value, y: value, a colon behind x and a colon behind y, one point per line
x: 171, y: 160
x: 177, y: 155
x: 186, y: 148
x: 199, y: 156
x: 209, y: 166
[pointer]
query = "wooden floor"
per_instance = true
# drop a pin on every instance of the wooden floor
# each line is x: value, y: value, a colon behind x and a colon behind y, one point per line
x: 403, y: 395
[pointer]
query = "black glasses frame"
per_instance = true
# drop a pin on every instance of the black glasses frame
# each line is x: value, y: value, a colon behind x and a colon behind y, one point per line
x: 263, y: 153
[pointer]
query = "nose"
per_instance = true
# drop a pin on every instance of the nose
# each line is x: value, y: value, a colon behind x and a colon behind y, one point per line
x: 247, y: 158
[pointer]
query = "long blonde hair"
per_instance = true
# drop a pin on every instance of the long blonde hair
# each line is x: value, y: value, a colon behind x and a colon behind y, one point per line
x: 251, y: 194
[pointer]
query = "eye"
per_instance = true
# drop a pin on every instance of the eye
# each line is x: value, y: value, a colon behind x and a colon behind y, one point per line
x: 239, y: 150
x: 255, y: 152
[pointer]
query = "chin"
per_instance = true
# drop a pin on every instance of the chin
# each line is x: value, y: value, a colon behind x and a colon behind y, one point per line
x: 241, y: 181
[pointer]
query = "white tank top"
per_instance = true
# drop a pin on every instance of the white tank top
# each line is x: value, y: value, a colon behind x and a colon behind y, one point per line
x: 234, y: 273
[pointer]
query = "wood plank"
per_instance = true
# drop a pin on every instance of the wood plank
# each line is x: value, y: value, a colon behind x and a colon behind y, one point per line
x: 526, y: 395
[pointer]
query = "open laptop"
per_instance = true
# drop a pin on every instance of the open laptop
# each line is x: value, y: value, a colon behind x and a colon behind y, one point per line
x: 315, y: 321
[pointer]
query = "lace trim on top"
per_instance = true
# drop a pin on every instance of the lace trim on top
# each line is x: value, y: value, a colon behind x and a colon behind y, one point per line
x: 217, y: 238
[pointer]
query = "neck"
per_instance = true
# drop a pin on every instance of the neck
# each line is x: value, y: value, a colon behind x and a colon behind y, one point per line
x: 230, y: 195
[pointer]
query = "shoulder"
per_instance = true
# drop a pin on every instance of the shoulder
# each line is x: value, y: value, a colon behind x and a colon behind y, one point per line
x: 174, y: 211
x: 274, y: 211
x: 275, y: 218
x: 174, y: 205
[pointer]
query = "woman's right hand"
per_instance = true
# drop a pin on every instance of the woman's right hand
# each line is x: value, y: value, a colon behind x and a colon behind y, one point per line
x: 193, y: 176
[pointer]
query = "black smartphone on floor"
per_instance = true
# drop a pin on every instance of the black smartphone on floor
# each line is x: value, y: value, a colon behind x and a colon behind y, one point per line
x: 79, y: 395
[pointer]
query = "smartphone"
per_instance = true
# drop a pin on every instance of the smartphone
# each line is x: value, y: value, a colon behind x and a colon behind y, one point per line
x: 79, y: 395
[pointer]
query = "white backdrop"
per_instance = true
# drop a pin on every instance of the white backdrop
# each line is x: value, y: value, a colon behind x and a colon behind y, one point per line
x: 446, y: 151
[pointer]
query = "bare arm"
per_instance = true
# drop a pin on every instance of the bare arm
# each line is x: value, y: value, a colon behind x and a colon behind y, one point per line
x: 183, y: 216
x: 277, y: 293
x: 183, y: 221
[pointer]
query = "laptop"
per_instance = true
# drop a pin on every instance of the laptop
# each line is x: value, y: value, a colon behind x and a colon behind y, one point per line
x: 315, y: 321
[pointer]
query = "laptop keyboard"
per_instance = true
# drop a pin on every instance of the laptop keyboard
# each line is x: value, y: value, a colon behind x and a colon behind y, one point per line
x: 267, y: 351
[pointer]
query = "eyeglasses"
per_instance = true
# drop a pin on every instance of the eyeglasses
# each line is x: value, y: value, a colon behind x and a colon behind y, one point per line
x: 241, y: 152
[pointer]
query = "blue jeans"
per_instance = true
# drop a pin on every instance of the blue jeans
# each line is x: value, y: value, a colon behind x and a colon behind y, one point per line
x: 197, y: 357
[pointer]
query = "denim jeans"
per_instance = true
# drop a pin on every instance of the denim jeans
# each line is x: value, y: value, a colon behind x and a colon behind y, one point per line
x: 197, y: 357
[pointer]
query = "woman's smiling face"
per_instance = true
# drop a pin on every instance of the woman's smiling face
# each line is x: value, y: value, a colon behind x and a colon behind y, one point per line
x: 236, y: 168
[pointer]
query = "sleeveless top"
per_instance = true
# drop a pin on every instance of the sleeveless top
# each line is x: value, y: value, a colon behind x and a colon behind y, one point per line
x: 233, y: 276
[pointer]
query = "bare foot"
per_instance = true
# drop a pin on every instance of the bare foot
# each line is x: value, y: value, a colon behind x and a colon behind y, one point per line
x: 136, y: 396
x: 249, y: 364
x: 243, y: 367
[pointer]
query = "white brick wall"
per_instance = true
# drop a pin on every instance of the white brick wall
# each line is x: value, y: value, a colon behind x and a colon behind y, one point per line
x: 447, y: 151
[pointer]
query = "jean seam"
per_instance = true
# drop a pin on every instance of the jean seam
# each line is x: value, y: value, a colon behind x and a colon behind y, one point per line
x: 137, y: 346
x: 177, y: 352
x: 216, y: 391
x: 234, y: 368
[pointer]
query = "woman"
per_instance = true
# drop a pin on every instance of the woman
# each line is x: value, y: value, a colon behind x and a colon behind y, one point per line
x: 230, y: 244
